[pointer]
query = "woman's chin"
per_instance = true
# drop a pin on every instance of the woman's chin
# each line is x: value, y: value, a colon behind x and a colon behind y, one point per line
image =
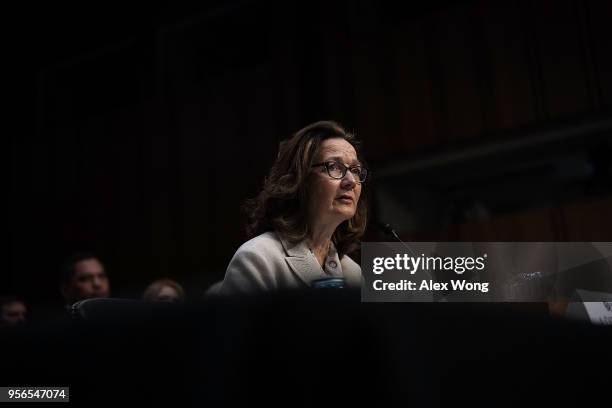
x: 345, y: 214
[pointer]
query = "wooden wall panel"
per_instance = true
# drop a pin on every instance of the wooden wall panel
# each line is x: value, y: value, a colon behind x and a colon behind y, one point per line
x: 95, y: 122
x: 371, y: 117
x: 455, y: 69
x: 512, y: 82
x: 533, y: 225
x: 229, y: 113
x: 584, y: 221
x: 414, y: 88
x: 560, y: 56
x: 588, y: 220
x: 228, y: 139
x: 112, y: 209
x: 598, y: 15
x: 162, y: 175
x: 335, y: 40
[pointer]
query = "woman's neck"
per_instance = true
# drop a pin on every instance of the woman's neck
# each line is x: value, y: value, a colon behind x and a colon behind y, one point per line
x: 319, y: 243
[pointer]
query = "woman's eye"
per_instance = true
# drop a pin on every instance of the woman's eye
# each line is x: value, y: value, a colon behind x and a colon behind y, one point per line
x: 356, y: 171
x: 333, y: 166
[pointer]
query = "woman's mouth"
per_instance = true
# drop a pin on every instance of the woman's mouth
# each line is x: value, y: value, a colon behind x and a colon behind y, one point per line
x: 344, y: 199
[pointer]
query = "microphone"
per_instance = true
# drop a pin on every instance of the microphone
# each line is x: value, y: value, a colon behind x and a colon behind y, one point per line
x: 390, y: 232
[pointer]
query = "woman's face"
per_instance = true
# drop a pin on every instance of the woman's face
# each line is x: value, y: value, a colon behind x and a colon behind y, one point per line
x: 167, y: 294
x: 334, y: 200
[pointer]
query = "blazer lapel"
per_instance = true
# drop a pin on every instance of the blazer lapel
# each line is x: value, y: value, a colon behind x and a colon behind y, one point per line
x: 352, y: 274
x: 301, y: 261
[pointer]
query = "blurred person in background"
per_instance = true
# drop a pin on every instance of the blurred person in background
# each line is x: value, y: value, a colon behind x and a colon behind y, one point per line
x: 83, y: 276
x: 13, y: 311
x: 164, y: 290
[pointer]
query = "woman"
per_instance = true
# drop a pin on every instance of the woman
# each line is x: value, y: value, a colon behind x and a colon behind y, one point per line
x: 311, y: 212
x: 164, y: 290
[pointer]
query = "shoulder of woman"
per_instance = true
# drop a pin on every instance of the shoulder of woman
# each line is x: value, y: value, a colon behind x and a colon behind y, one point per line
x: 266, y: 242
x: 252, y: 266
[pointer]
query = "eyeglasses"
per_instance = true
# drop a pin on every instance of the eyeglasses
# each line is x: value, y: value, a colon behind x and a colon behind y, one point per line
x: 337, y: 170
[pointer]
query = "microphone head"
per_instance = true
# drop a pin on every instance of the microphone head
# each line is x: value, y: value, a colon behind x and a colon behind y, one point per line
x: 386, y: 228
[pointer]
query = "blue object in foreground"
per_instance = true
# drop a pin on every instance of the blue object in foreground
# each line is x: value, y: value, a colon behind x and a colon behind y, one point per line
x: 336, y: 283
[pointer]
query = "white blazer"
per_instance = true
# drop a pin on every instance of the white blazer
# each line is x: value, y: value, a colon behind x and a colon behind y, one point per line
x: 269, y: 262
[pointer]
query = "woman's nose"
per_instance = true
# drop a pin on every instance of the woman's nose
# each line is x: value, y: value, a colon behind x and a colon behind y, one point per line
x: 349, y: 181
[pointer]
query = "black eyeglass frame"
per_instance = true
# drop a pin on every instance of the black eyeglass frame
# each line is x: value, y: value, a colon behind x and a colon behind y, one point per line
x: 364, y: 170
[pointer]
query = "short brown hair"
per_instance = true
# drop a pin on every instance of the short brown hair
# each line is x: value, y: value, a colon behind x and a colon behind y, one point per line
x: 155, y: 287
x: 282, y: 204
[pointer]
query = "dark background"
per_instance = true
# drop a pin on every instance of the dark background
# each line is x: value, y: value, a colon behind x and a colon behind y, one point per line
x: 142, y: 129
